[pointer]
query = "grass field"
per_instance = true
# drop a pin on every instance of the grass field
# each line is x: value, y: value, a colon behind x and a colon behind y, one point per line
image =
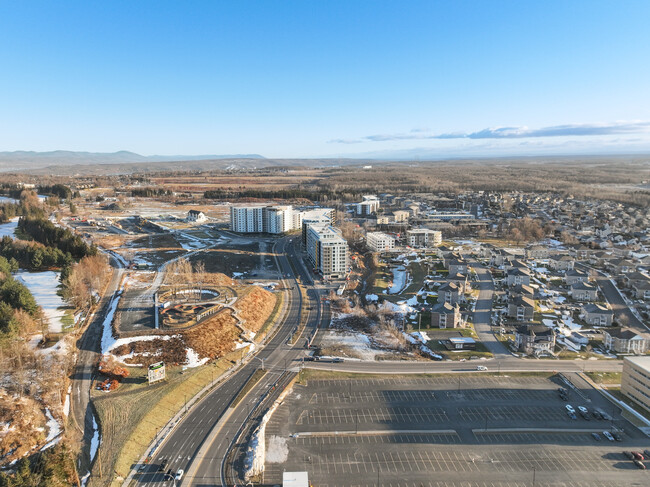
x: 314, y: 374
x: 605, y: 377
x: 131, y: 417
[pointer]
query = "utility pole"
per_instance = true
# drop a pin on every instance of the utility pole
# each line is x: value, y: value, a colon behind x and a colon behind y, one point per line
x: 419, y: 321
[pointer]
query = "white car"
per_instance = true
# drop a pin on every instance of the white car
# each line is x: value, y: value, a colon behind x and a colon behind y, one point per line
x: 608, y: 435
x: 583, y: 409
x: 481, y: 367
x: 179, y: 474
x: 570, y: 408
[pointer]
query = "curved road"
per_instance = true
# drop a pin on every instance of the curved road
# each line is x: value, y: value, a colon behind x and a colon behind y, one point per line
x: 185, y: 442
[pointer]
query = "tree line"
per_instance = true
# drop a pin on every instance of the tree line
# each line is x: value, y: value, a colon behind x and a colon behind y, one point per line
x: 15, y: 301
x: 50, y: 235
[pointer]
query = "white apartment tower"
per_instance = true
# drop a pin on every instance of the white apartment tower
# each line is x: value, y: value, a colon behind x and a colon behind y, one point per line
x: 327, y: 250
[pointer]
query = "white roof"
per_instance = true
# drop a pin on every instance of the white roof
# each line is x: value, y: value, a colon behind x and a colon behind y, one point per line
x: 643, y: 362
x: 295, y: 479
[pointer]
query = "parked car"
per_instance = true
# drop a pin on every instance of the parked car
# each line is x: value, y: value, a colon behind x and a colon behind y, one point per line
x: 596, y: 414
x: 583, y: 409
x: 179, y: 475
x: 638, y: 455
x: 596, y: 436
x: 608, y: 435
x: 570, y: 408
x: 617, y: 436
x: 572, y: 415
x: 639, y: 464
x: 646, y: 453
x: 629, y: 455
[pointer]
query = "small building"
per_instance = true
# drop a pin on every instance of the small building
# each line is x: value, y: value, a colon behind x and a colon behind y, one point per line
x: 535, y: 339
x: 460, y: 343
x: 461, y: 281
x: 635, y: 380
x: 625, y: 340
x: 583, y: 291
x: 537, y: 252
x: 597, y: 314
x: 401, y: 216
x: 196, y: 216
x: 444, y: 315
x: 423, y: 238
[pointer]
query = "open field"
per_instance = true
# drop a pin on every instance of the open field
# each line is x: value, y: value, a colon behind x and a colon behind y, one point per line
x: 446, y: 431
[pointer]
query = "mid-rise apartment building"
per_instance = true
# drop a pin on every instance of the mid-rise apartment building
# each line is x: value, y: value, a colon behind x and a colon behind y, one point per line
x: 369, y: 205
x: 327, y: 250
x: 379, y: 241
x: 635, y: 380
x: 423, y: 238
x: 273, y: 219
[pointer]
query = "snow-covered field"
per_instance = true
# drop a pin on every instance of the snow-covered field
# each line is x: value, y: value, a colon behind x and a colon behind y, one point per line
x: 43, y: 285
x: 399, y: 280
x: 7, y: 229
x: 6, y: 199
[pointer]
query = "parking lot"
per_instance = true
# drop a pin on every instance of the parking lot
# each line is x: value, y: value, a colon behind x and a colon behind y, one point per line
x: 450, y: 431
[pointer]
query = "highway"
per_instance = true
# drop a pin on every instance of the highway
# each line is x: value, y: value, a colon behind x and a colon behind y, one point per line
x: 183, y: 447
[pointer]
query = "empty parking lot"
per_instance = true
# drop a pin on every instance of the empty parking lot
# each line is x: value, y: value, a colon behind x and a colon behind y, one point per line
x: 448, y: 431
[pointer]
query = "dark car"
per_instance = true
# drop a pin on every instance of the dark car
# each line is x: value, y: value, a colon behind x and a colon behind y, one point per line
x: 596, y: 414
x: 617, y: 436
x: 309, y: 359
x: 169, y: 475
x: 639, y: 464
x: 572, y: 415
x: 163, y: 465
x: 585, y: 416
x: 629, y: 455
x: 596, y: 436
x: 646, y: 453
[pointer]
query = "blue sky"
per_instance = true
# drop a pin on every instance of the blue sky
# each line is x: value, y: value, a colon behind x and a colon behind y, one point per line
x: 311, y: 79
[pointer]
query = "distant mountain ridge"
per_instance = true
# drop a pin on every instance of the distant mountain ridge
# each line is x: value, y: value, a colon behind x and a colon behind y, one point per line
x: 26, y: 160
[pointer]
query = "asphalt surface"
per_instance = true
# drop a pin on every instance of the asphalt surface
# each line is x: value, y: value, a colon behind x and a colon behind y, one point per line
x: 456, y: 431
x: 184, y: 443
x: 89, y: 346
x: 483, y: 311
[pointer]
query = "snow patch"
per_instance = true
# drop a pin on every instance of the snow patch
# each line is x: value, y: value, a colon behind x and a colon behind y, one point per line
x: 94, y: 442
x: 277, y: 450
x: 43, y: 286
x: 107, y: 331
x: 193, y: 359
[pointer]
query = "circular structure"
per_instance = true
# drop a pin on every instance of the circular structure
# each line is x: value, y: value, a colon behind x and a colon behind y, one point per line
x: 186, y: 307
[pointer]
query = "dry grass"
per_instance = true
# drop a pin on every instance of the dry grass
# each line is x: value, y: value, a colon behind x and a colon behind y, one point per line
x: 215, y: 337
x: 255, y: 305
x: 24, y: 417
x: 145, y: 353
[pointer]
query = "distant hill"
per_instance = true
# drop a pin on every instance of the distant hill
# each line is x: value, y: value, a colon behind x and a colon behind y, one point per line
x: 30, y: 160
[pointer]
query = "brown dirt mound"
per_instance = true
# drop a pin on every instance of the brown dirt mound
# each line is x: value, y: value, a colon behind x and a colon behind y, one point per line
x: 171, y: 351
x: 218, y: 279
x: 255, y: 305
x: 214, y: 337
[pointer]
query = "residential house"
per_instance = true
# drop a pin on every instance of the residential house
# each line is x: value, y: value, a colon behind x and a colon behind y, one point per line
x: 641, y: 289
x: 196, y: 216
x: 457, y: 266
x: 575, y: 275
x: 521, y: 308
x: 444, y: 315
x: 537, y: 252
x: 621, y: 266
x: 597, y: 314
x: 561, y: 263
x: 535, y: 339
x: 461, y: 281
x: 625, y: 340
x: 449, y: 293
x: 583, y: 291
x: 518, y: 277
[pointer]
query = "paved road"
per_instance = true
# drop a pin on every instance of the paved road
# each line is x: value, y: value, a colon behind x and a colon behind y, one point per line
x: 183, y: 445
x: 483, y: 311
x: 89, y: 346
x: 503, y: 365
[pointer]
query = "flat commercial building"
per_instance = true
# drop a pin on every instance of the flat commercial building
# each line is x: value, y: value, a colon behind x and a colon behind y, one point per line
x: 327, y: 250
x: 379, y: 241
x: 423, y: 237
x: 635, y: 380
